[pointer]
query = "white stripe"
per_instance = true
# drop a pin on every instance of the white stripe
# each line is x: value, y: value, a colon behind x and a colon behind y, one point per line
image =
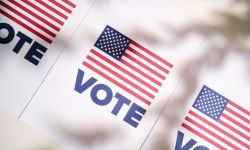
x: 233, y: 125
x: 213, y: 130
x: 142, y: 69
x: 148, y: 56
x: 129, y: 69
x: 118, y: 80
x: 205, y: 134
x: 236, y: 118
x: 57, y: 8
x: 28, y: 24
x: 48, y: 11
x: 220, y: 125
x: 123, y: 74
x: 239, y: 112
x: 147, y: 63
x: 216, y: 131
x: 66, y: 5
x: 31, y: 17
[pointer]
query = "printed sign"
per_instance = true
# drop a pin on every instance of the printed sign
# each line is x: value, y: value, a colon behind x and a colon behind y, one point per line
x: 217, y: 120
x: 123, y: 62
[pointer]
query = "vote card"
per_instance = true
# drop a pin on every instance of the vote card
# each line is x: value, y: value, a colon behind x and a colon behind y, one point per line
x: 114, y: 77
x: 32, y: 35
x: 211, y: 111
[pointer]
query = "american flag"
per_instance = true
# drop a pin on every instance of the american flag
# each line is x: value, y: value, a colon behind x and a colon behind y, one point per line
x: 219, y: 121
x: 42, y: 18
x: 128, y: 65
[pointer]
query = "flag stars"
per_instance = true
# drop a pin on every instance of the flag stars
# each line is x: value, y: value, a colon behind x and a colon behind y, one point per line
x: 115, y: 42
x: 210, y: 103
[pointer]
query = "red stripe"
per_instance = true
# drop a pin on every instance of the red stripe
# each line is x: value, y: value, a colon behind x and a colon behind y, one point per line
x: 35, y: 15
x: 147, y: 59
x: 28, y: 19
x: 144, y: 66
x: 120, y: 76
x: 43, y: 12
x: 25, y: 26
x: 235, y: 122
x: 211, y: 133
x: 203, y: 136
x: 123, y: 70
x: 152, y: 54
x: 234, y: 130
x: 69, y: 3
x: 52, y: 9
x: 61, y: 6
x: 140, y: 72
x: 239, y: 107
x: 237, y: 115
x: 218, y: 129
x: 116, y: 83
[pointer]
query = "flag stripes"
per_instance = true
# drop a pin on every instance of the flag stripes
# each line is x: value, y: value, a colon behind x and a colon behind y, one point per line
x: 134, y: 59
x: 227, y: 133
x: 139, y: 72
x: 42, y: 18
x: 241, y: 109
x: 120, y: 76
x: 126, y: 71
x: 69, y: 3
x: 43, y: 12
x: 153, y: 55
x: 48, y: 23
x: 201, y: 135
x: 61, y: 6
x: 116, y: 83
x: 52, y: 9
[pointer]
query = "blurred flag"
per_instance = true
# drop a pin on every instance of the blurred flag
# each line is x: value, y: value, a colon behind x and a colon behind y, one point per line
x: 42, y: 18
x: 128, y: 65
x: 219, y: 121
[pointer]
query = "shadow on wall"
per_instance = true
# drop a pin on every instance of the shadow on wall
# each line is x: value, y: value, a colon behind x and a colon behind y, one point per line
x: 235, y: 28
x: 213, y: 57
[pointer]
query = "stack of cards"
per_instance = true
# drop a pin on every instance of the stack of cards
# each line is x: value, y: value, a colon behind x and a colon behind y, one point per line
x: 121, y: 75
